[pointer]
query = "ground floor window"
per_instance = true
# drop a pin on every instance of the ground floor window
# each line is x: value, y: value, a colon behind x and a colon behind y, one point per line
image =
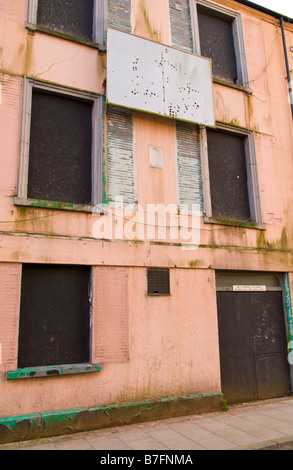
x: 158, y: 281
x: 54, y: 315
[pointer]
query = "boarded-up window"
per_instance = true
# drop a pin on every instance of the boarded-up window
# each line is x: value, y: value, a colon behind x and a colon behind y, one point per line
x: 119, y: 14
x: 54, y: 315
x: 158, y: 281
x: 216, y: 43
x: 72, y: 17
x: 228, y: 175
x: 60, y: 159
x: 180, y: 24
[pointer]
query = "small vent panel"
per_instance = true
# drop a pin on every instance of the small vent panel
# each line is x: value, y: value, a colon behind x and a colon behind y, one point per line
x: 158, y: 281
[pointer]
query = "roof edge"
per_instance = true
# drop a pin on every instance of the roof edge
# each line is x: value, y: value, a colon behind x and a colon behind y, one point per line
x: 265, y: 10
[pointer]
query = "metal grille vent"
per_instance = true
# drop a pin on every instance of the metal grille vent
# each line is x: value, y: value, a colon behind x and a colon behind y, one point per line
x: 158, y: 281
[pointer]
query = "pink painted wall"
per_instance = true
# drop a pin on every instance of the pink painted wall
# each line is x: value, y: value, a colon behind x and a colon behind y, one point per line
x: 163, y: 346
x: 156, y: 132
x: 160, y: 350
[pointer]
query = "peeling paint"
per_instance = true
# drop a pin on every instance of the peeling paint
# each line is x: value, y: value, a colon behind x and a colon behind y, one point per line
x: 52, y: 205
x: 14, y: 429
x: 28, y: 55
x: 147, y: 24
x: 194, y: 263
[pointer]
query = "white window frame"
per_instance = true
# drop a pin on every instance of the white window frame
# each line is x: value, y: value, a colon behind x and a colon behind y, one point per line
x: 99, y: 15
x: 239, y: 45
x: 252, y: 177
x: 97, y: 145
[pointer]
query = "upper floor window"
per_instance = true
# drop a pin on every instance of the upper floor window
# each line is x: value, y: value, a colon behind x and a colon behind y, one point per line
x: 218, y: 35
x: 216, y: 42
x: 60, y: 153
x: 73, y: 18
x: 231, y: 190
x: 228, y: 175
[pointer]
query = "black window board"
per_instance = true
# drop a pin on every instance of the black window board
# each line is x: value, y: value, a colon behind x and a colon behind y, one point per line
x: 72, y: 17
x: 60, y: 158
x: 54, y: 315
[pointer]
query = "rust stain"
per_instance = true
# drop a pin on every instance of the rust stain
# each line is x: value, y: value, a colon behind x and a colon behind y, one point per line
x: 143, y: 26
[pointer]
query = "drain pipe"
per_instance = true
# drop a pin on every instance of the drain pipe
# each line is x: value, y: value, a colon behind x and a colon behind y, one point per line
x: 287, y: 64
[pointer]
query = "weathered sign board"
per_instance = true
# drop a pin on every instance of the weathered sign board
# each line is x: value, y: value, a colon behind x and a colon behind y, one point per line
x: 148, y: 76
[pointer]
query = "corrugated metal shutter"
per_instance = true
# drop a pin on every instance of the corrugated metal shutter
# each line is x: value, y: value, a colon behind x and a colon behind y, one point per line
x: 120, y: 155
x: 181, y: 33
x: 188, y: 143
x: 189, y: 166
x: 119, y: 14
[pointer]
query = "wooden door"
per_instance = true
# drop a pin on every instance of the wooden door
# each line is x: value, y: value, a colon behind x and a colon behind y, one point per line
x: 253, y: 350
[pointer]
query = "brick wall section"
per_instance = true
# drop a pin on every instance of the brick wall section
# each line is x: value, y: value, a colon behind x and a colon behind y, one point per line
x: 110, y: 315
x: 10, y: 282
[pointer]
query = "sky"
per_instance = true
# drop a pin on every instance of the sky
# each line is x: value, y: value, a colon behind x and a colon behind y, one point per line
x: 285, y: 7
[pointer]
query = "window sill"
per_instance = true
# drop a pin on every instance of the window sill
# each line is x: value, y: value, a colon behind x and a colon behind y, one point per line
x: 32, y: 28
x: 158, y: 295
x: 233, y: 85
x: 97, y: 210
x: 52, y: 371
x: 234, y: 223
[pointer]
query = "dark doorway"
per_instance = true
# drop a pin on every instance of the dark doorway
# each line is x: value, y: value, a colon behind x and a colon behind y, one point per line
x: 253, y: 349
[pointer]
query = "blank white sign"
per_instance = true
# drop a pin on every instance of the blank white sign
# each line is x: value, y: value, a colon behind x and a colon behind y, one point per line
x: 249, y: 288
x: 148, y: 76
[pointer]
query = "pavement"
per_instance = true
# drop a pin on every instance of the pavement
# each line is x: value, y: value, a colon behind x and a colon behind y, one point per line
x: 262, y: 425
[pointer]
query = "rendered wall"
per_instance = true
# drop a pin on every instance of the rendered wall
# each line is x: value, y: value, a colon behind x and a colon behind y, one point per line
x: 163, y: 347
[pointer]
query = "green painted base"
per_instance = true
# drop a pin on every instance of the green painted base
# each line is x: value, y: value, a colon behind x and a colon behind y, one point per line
x: 45, y: 425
